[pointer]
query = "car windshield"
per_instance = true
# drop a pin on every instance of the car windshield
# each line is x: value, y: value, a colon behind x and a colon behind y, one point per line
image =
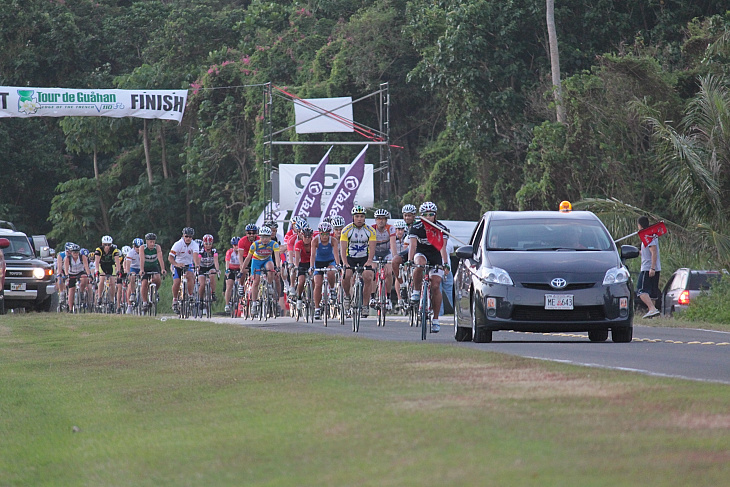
x: 19, y: 247
x: 547, y: 234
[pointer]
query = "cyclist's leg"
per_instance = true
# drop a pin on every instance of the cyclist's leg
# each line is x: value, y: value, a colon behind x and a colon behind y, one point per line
x: 419, y: 259
x: 318, y: 280
x: 190, y: 277
x: 436, y: 295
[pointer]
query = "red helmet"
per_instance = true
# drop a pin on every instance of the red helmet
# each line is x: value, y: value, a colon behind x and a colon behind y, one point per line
x: 207, y: 238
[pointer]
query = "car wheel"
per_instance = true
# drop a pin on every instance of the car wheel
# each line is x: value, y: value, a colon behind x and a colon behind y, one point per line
x: 479, y: 334
x: 622, y: 335
x: 461, y: 334
x: 598, y: 335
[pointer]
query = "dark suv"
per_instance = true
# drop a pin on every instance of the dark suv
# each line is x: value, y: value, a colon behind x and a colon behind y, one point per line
x: 684, y: 286
x: 29, y: 281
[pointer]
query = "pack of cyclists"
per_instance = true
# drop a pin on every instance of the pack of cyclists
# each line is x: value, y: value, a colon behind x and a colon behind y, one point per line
x: 336, y: 247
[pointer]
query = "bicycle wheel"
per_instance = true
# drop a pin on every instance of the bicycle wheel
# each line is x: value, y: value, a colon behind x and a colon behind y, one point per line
x: 382, y: 309
x: 208, y: 299
x: 357, y: 308
x: 152, y: 300
x: 423, y: 311
x: 324, y: 302
x: 341, y: 304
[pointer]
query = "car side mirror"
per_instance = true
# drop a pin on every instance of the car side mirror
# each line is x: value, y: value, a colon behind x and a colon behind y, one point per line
x: 4, y: 243
x: 629, y: 252
x: 465, y: 252
x: 47, y: 252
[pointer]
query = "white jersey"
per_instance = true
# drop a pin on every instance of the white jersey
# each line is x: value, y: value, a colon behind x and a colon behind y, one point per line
x: 75, y: 267
x: 184, y: 253
x: 133, y: 258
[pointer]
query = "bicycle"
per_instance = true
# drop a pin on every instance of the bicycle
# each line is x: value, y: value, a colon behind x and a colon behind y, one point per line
x: 357, y: 297
x: 184, y: 301
x: 203, y: 303
x: 308, y: 300
x: 327, y: 306
x: 107, y: 303
x: 266, y: 298
x: 425, y: 313
x: 382, y: 295
x: 62, y: 298
x: 153, y: 296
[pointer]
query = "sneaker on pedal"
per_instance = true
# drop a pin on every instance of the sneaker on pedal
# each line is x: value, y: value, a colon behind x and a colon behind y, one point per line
x: 404, y: 292
x: 365, y: 312
x: 346, y: 302
x: 373, y: 303
x: 388, y: 305
x: 145, y: 306
x: 415, y: 297
x: 214, y: 298
x: 317, y: 314
x: 435, y: 327
x: 132, y: 298
x: 254, y: 308
x: 300, y: 304
x: 175, y: 306
x: 227, y: 309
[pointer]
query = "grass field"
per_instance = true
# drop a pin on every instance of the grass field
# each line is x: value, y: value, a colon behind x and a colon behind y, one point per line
x: 96, y: 401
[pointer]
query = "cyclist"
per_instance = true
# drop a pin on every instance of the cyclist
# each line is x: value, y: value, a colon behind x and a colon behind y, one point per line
x: 107, y: 258
x: 261, y: 256
x: 409, y: 216
x: 132, y: 266
x: 60, y: 272
x: 183, y: 257
x: 291, y: 238
x: 233, y: 266
x: 384, y: 249
x: 244, y: 245
x: 322, y: 256
x: 152, y: 267
x: 428, y: 245
x: 76, y: 267
x: 122, y: 275
x: 357, y: 248
x: 208, y: 265
x: 302, y: 261
x: 282, y: 258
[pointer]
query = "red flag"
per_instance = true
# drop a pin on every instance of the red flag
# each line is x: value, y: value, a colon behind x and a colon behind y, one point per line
x: 651, y: 232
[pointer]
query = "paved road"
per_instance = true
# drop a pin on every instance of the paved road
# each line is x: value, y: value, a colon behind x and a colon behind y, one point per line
x: 668, y: 352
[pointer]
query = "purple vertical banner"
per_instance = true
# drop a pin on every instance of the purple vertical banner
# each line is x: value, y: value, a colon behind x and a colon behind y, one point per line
x: 343, y: 197
x: 310, y: 201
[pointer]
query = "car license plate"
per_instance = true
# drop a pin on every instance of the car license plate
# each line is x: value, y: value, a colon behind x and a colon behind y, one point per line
x: 17, y: 286
x: 558, y: 301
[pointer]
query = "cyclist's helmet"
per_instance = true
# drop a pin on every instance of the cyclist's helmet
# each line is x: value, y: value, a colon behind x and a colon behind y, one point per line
x: 327, y: 219
x: 208, y: 239
x: 338, y: 221
x: 303, y: 225
x: 150, y: 236
x: 271, y: 224
x: 401, y: 225
x: 74, y: 248
x: 189, y: 231
x: 382, y: 212
x: 85, y: 252
x: 428, y: 206
x: 357, y: 210
x: 265, y: 231
x: 324, y: 227
x: 409, y: 209
x: 138, y: 242
x: 106, y: 239
x: 307, y: 232
x: 68, y: 245
x: 234, y: 241
x: 126, y: 249
x: 252, y: 228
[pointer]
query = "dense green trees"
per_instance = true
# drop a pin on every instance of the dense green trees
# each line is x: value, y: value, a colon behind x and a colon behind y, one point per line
x: 472, y: 108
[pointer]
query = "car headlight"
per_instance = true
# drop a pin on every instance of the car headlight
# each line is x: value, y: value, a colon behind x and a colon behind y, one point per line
x: 495, y: 275
x: 38, y: 273
x: 616, y: 275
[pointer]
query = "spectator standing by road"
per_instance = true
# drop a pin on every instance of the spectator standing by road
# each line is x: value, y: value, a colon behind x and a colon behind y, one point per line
x: 651, y: 266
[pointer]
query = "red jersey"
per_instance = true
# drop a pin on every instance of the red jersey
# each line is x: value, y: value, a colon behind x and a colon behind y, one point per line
x: 245, y: 244
x: 305, y: 255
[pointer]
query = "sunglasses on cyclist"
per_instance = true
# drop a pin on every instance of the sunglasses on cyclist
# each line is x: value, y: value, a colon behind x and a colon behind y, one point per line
x: 250, y: 233
x: 187, y: 236
x: 428, y: 213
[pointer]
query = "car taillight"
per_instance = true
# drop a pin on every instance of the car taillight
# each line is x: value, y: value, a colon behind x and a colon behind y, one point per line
x: 683, y: 298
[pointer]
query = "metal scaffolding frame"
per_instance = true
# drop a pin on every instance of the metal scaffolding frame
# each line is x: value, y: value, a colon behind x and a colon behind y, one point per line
x: 381, y: 136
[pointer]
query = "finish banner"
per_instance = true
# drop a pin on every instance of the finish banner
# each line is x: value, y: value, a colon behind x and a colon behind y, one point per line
x: 16, y: 101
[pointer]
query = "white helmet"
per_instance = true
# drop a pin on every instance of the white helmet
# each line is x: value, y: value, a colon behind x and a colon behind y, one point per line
x: 126, y: 249
x: 401, y: 225
x: 106, y: 239
x: 338, y: 221
x: 324, y: 227
x: 409, y: 209
x: 382, y: 212
x: 265, y: 231
x: 428, y: 206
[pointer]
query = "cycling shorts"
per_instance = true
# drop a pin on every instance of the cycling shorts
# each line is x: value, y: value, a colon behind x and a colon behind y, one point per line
x: 258, y: 266
x: 177, y: 271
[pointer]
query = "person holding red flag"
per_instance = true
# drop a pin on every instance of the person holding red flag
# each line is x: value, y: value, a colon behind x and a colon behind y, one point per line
x: 428, y: 245
x: 648, y: 284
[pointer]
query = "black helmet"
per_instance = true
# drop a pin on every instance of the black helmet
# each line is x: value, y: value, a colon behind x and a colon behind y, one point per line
x: 189, y: 231
x: 150, y: 236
